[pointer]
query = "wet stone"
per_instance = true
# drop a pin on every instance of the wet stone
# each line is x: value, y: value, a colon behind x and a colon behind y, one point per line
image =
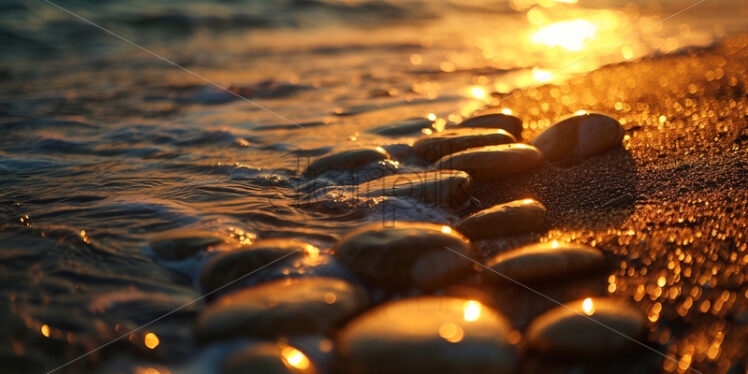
x: 402, y: 128
x: 283, y: 307
x: 401, y: 152
x: 507, y: 122
x: 493, y: 162
x: 568, y: 330
x: 579, y: 136
x: 345, y: 160
x: 438, y: 145
x: 428, y: 335
x: 182, y: 244
x: 405, y: 255
x: 440, y: 187
x: 227, y: 267
x: 268, y: 358
x: 510, y: 218
x: 548, y: 260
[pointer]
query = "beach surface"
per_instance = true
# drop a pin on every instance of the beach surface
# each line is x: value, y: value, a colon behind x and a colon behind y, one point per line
x: 123, y: 177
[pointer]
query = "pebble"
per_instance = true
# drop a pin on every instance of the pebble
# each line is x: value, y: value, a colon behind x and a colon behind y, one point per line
x: 507, y: 122
x: 429, y: 335
x: 440, y: 144
x: 181, y: 244
x: 404, y: 255
x: 510, y: 218
x: 282, y: 307
x: 438, y: 187
x: 568, y: 331
x: 227, y: 267
x: 402, y: 128
x: 346, y: 160
x: 493, y: 161
x: 579, y: 136
x: 268, y: 358
x: 548, y: 260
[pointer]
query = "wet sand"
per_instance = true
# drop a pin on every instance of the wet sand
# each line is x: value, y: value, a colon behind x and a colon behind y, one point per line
x: 668, y: 208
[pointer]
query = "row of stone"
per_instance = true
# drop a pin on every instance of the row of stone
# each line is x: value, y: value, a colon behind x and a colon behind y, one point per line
x: 422, y: 334
x: 409, y: 255
x: 401, y: 256
x: 486, y: 146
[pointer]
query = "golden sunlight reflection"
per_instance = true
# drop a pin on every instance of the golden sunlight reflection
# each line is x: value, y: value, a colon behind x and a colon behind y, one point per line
x: 588, y: 306
x: 446, y: 229
x: 431, y: 117
x: 478, y: 92
x: 294, y: 358
x: 151, y: 340
x: 541, y: 75
x: 45, y: 331
x: 580, y: 112
x: 471, y: 310
x: 451, y: 332
x: 507, y: 111
x: 570, y: 35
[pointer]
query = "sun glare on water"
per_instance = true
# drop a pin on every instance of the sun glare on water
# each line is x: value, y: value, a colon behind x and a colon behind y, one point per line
x: 570, y: 35
x: 478, y: 92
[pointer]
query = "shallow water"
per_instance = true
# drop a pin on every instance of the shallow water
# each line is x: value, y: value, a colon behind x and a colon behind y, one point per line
x: 104, y: 146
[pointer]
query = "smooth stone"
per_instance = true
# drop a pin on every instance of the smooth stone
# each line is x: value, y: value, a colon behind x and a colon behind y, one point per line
x: 402, y: 256
x: 548, y: 260
x: 507, y: 122
x: 404, y: 127
x: 428, y: 335
x: 400, y: 152
x: 514, y: 217
x: 493, y: 161
x: 345, y: 160
x: 282, y: 307
x: 579, y: 136
x: 268, y: 358
x: 181, y: 244
x: 440, y: 144
x: 438, y: 187
x: 228, y: 267
x: 568, y: 331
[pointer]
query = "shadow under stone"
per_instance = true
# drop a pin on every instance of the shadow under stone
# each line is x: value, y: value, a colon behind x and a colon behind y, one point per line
x: 594, y: 193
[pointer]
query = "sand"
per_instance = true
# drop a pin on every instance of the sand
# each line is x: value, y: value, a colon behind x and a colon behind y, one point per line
x: 669, y: 206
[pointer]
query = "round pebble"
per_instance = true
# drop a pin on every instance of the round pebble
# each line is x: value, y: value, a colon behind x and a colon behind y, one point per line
x: 268, y: 358
x: 507, y: 122
x: 404, y: 127
x: 182, y: 244
x: 283, y: 307
x: 346, y: 160
x: 589, y: 327
x: 429, y: 335
x: 548, y: 260
x: 227, y: 267
x: 510, y: 218
x: 494, y: 161
x: 438, y: 187
x: 405, y: 255
x: 579, y: 136
x: 440, y: 144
